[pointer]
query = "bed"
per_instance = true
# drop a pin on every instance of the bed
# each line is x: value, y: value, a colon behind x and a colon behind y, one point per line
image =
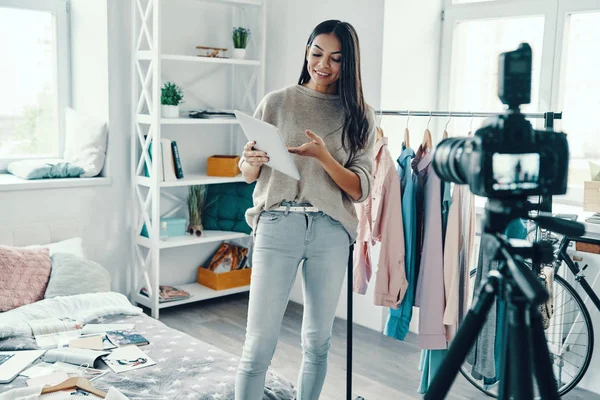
x: 186, y: 367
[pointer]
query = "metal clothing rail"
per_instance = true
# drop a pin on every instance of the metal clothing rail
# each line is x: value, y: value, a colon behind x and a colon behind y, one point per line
x: 548, y: 117
x: 460, y: 114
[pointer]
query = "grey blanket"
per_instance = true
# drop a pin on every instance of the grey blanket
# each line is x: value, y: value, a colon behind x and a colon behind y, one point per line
x: 186, y: 368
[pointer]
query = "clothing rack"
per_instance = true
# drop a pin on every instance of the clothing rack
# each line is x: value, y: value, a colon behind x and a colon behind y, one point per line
x: 548, y: 117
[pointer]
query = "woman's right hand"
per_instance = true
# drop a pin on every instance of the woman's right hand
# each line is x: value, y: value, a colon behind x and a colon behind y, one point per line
x: 254, y: 158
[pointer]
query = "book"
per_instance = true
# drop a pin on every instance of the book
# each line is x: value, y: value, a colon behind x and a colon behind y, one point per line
x: 178, y: 165
x: 74, y: 356
x: 161, y: 169
x: 105, y: 343
x: 127, y: 358
x: 168, y: 160
x: 103, y: 328
x: 228, y: 258
x: 168, y: 293
x: 87, y: 342
x: 44, y: 368
x: 53, y: 325
x: 54, y: 340
x: 124, y: 338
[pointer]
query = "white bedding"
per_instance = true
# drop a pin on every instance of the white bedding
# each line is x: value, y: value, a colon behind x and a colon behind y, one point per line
x: 81, y: 307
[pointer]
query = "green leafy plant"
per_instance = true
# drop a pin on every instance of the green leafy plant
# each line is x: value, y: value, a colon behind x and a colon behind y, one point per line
x: 171, y: 94
x: 240, y: 37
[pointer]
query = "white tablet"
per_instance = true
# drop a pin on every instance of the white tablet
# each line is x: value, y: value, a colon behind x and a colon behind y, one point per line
x: 269, y: 140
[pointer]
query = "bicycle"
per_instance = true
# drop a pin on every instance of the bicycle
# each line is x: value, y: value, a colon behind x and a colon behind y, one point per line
x: 570, y: 332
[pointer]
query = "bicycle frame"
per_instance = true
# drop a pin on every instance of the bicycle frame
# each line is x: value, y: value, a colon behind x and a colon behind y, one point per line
x: 574, y: 267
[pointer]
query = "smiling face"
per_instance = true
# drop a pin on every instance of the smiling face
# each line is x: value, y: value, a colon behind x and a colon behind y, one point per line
x: 324, y: 61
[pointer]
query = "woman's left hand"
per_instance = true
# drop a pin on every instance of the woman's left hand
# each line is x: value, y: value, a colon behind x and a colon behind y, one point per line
x: 315, y: 148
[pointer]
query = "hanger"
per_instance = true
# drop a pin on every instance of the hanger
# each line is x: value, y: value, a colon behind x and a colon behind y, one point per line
x: 407, y: 133
x: 380, y: 133
x: 427, y: 141
x: 75, y: 383
x: 445, y: 135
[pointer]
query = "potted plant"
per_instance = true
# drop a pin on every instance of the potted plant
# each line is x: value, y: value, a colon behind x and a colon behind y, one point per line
x: 171, y: 96
x: 196, y: 198
x: 240, y: 38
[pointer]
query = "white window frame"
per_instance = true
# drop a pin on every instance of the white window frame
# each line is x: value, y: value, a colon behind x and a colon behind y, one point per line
x: 60, y: 8
x: 555, y: 12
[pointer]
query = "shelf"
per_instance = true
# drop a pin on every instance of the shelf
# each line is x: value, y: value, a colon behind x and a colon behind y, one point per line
x: 191, y: 180
x: 188, y: 240
x: 197, y: 292
x: 9, y: 182
x: 210, y: 60
x: 148, y: 119
x: 254, y: 3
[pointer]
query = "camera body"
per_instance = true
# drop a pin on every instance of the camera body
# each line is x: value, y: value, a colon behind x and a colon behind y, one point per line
x: 506, y: 158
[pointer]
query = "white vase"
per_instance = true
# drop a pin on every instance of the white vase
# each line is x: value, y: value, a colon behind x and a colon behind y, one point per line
x: 169, y: 111
x: 239, y: 54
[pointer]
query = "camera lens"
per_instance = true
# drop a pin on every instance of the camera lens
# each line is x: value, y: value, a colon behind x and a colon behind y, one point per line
x: 448, y: 162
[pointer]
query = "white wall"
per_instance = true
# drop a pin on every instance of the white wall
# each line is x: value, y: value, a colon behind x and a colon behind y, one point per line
x: 289, y: 26
x: 89, y: 57
x: 409, y: 72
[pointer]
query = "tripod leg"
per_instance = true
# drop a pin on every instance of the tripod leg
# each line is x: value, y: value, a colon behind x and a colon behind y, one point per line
x: 464, y: 339
x: 504, y: 386
x: 541, y: 357
x: 519, y: 348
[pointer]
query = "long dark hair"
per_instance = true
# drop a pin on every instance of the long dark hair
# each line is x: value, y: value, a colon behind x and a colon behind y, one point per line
x: 356, y: 124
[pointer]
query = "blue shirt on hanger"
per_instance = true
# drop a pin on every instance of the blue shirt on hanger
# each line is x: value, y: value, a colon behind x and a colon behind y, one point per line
x: 398, y: 320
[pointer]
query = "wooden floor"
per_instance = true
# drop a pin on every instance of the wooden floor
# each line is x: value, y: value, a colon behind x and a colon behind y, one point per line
x: 384, y: 368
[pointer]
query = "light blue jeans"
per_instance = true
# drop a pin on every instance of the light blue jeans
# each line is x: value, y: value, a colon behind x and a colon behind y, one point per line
x: 282, y: 241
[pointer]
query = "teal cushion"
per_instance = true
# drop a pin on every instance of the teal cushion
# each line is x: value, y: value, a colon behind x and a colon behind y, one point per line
x: 226, y: 205
x: 40, y: 169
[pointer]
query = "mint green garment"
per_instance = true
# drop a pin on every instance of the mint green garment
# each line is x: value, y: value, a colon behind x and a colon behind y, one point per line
x: 431, y: 360
x: 399, y: 320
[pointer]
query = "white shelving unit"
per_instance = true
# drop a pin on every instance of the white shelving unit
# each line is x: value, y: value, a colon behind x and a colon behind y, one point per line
x: 147, y: 126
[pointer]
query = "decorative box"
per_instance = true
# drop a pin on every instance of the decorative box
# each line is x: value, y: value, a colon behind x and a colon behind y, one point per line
x: 175, y: 226
x: 223, y: 165
x: 225, y: 280
x: 591, y: 196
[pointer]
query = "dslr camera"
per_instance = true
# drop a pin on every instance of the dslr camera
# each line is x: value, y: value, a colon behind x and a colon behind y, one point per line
x: 506, y: 159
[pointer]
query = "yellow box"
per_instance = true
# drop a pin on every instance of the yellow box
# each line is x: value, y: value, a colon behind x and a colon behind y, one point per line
x: 223, y: 165
x: 225, y: 280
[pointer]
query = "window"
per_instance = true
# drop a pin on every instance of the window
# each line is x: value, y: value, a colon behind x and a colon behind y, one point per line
x: 579, y: 96
x: 33, y: 77
x: 477, y: 45
x: 563, y: 34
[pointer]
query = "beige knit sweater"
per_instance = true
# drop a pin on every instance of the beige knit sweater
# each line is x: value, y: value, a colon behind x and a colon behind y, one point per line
x: 293, y: 110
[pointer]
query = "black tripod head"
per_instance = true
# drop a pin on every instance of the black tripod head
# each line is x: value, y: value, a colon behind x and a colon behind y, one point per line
x: 500, y: 212
x: 512, y: 253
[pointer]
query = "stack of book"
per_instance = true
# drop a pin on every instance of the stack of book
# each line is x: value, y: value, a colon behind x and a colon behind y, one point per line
x: 168, y: 293
x: 169, y: 168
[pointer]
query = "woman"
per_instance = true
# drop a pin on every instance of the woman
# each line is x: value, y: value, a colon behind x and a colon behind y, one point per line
x: 311, y: 220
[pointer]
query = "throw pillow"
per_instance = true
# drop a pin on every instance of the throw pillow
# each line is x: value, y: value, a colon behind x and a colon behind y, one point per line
x: 71, y: 246
x: 73, y: 275
x: 42, y: 169
x: 23, y: 276
x: 85, y: 142
x: 225, y: 207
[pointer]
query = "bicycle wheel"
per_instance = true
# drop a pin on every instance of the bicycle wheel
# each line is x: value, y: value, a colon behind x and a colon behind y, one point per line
x: 570, y: 339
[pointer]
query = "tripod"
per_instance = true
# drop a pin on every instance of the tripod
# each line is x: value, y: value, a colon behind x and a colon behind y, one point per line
x: 525, y: 351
